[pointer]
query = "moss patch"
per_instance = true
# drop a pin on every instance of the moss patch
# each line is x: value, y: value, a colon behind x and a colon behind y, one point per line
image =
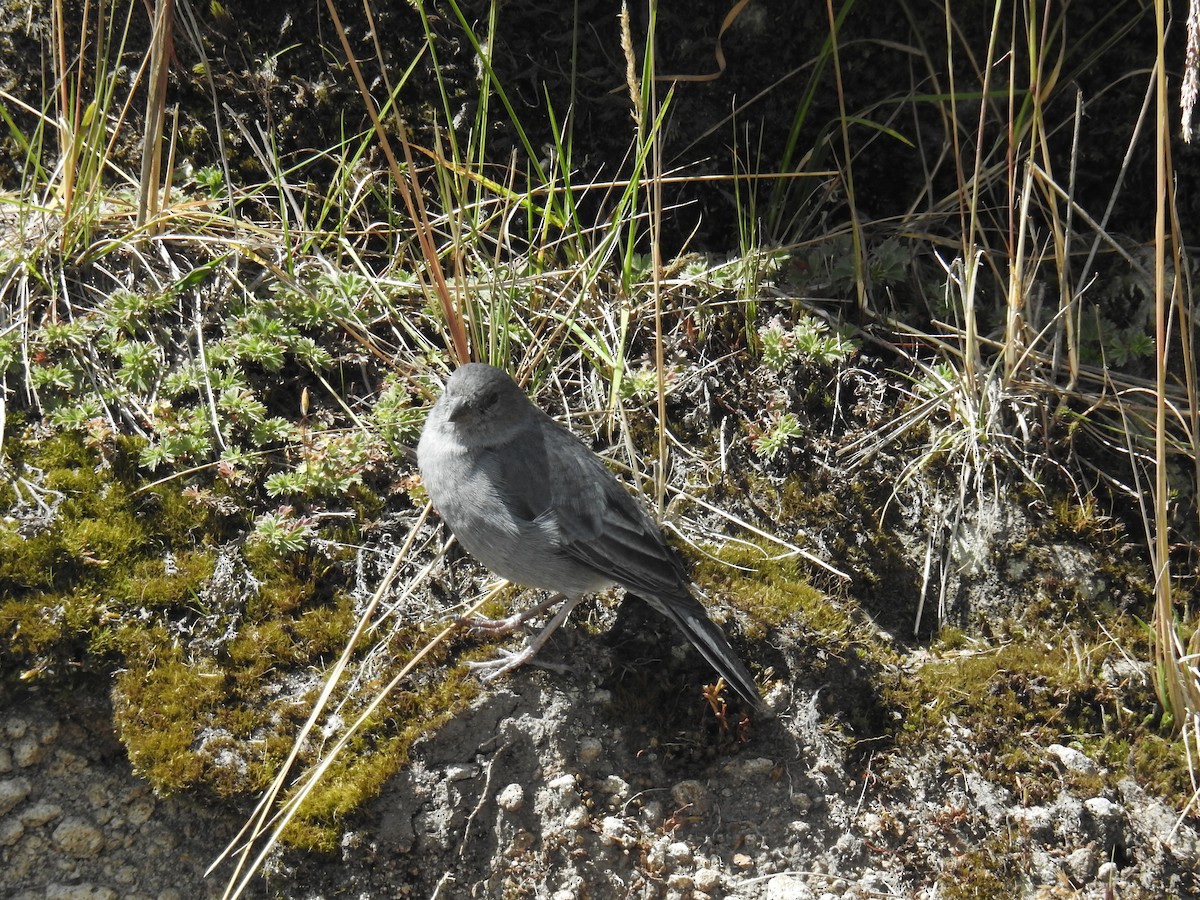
x: 216, y: 655
x: 1015, y: 701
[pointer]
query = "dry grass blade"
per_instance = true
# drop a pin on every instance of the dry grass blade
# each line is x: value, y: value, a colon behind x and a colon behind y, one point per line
x: 412, y: 193
x: 161, y: 44
x: 268, y: 815
x: 1180, y: 686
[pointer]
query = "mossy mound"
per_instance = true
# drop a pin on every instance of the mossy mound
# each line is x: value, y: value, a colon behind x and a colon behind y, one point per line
x: 217, y: 651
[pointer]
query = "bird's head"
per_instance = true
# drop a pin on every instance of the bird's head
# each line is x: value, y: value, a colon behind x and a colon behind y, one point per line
x: 483, y: 405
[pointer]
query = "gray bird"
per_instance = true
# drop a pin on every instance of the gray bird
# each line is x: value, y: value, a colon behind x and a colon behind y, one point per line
x: 538, y: 508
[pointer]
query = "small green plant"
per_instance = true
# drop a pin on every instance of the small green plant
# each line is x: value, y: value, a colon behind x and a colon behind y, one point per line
x: 212, y: 179
x: 282, y: 531
x: 330, y: 464
x: 1103, y: 342
x: 768, y: 444
x: 809, y: 339
x: 394, y: 417
x: 641, y: 383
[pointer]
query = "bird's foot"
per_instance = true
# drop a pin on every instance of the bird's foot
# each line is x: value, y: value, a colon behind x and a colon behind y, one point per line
x: 492, y: 626
x: 491, y: 669
x: 511, y: 659
x: 510, y: 623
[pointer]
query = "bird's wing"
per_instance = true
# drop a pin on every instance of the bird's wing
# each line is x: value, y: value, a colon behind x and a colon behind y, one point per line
x: 563, y: 488
x: 605, y: 527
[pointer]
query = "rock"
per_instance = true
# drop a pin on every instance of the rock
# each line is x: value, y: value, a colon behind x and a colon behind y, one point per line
x: 1150, y: 818
x: 679, y: 854
x: 680, y: 882
x: 616, y: 787
x: 787, y: 887
x: 656, y: 857
x: 614, y: 831
x: 12, y: 792
x: 27, y: 752
x: 1081, y: 865
x: 40, y: 814
x: 563, y: 787
x: 11, y: 831
x: 78, y: 838
x: 1073, y: 759
x: 1103, y: 810
x: 801, y: 802
x: 1038, y: 821
x: 707, y: 880
x: 460, y: 772
x: 691, y: 796
x: 749, y: 769
x: 577, y: 819
x: 80, y: 892
x: 511, y: 798
x: 590, y: 750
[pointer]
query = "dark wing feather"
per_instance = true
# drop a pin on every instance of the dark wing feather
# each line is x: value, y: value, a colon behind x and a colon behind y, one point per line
x: 624, y: 543
x: 605, y: 527
x: 599, y: 524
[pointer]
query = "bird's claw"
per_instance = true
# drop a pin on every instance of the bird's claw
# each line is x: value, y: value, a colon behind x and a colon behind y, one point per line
x: 491, y: 669
x: 491, y: 626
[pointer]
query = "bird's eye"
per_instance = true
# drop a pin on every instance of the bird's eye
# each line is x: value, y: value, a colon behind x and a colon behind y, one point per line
x: 488, y: 400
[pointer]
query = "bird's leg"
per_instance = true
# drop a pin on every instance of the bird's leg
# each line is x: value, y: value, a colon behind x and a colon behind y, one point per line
x: 504, y: 626
x: 510, y: 659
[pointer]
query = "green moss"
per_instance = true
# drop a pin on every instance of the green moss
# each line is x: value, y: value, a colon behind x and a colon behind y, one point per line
x: 215, y: 667
x: 379, y: 751
x: 157, y: 583
x: 1018, y: 699
x: 983, y: 873
x: 163, y: 701
x: 771, y: 591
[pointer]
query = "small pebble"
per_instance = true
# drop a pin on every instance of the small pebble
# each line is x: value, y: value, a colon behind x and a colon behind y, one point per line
x: 27, y: 752
x: 679, y: 854
x: 577, y: 819
x: 707, y: 880
x: 12, y: 792
x: 616, y: 787
x: 1081, y: 865
x: 511, y: 798
x: 680, y: 881
x: 40, y: 813
x: 1103, y: 809
x: 692, y: 796
x: 614, y: 831
x: 563, y: 785
x: 590, y: 750
x: 788, y: 887
x: 78, y: 838
x: 1073, y: 759
x: 11, y: 831
x: 80, y: 892
x: 758, y: 767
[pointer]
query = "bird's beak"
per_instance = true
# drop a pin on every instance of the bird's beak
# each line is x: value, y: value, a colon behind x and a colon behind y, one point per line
x: 458, y: 409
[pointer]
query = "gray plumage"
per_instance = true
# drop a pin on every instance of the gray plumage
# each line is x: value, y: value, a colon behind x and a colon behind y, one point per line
x: 535, y: 506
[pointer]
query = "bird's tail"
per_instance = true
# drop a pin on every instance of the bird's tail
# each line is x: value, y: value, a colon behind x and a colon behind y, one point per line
x: 707, y: 637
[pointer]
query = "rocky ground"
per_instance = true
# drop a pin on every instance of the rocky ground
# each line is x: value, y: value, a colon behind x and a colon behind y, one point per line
x: 545, y: 790
x: 1006, y: 743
